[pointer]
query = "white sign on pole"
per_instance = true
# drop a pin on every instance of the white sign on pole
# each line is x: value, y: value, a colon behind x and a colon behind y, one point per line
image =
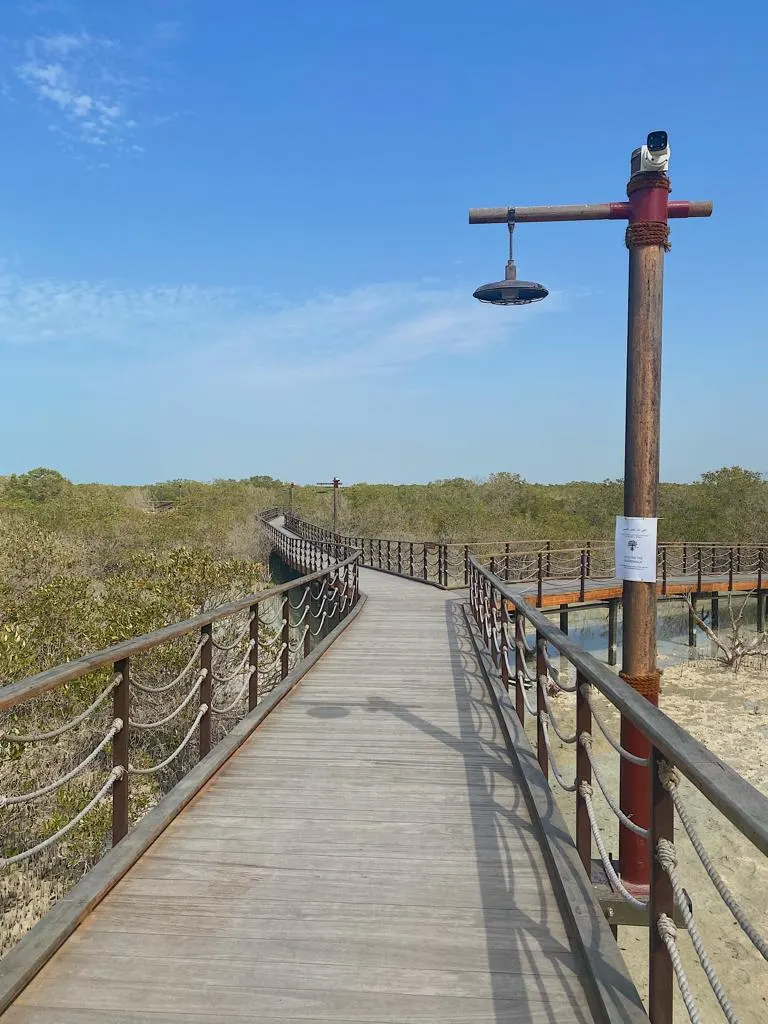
x: 636, y: 548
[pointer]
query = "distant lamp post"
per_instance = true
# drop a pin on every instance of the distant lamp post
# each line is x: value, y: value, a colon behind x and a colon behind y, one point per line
x: 335, y: 484
x: 510, y: 291
x: 647, y: 237
x: 290, y: 497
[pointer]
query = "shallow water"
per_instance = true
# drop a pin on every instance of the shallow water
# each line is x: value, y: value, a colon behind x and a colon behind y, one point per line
x: 589, y: 628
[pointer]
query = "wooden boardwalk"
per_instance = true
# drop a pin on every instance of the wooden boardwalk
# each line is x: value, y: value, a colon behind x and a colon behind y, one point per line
x: 367, y: 855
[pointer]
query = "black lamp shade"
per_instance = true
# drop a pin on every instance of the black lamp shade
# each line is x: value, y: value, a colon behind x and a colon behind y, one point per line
x: 511, y: 293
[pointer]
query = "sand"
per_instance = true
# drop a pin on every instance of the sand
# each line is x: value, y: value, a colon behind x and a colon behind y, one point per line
x: 728, y: 713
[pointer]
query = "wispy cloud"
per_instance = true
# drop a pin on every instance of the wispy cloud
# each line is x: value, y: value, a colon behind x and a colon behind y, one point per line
x: 358, y: 333
x: 93, y: 88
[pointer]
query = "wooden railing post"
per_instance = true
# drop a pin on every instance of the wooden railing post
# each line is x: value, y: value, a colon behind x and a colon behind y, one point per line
x: 506, y: 562
x: 664, y: 569
x: 519, y: 666
x: 540, y: 581
x: 698, y: 569
x: 426, y: 569
x: 121, y: 708
x: 661, y: 900
x: 389, y: 555
x: 504, y: 644
x: 206, y: 687
x: 410, y: 559
x: 583, y: 575
x: 285, y: 636
x: 253, y: 658
x: 730, y: 569
x: 760, y: 599
x: 307, y: 621
x: 583, y: 774
x: 541, y: 676
x: 400, y: 558
x: 685, y: 559
x: 466, y: 564
x: 549, y: 558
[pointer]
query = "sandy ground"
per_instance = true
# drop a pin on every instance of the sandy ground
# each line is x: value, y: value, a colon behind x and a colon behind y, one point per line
x: 728, y: 713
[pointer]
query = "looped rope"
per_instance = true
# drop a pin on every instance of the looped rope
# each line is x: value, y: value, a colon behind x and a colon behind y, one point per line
x: 668, y: 932
x: 651, y: 232
x: 670, y: 780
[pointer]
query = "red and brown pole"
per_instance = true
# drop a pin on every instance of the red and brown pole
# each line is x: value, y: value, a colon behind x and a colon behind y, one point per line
x: 647, y: 239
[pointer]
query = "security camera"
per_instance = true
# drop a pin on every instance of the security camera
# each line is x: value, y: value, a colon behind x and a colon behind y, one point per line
x: 654, y: 155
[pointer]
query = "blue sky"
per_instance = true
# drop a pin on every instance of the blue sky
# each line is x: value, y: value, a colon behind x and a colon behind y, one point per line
x: 234, y: 239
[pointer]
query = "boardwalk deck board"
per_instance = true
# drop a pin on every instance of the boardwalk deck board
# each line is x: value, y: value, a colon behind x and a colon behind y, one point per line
x: 366, y: 856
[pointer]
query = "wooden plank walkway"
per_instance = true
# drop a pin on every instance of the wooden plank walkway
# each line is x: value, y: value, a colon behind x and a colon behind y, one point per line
x: 365, y: 856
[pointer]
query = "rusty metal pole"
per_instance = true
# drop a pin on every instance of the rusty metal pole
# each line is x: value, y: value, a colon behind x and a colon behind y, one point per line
x: 647, y: 240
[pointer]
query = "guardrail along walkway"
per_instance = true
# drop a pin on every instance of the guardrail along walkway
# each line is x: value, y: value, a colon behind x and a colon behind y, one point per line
x: 366, y: 856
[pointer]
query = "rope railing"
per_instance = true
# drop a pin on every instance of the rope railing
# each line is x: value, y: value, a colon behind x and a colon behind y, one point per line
x: 176, y: 711
x: 116, y: 773
x: 666, y: 750
x: 144, y: 688
x: 153, y: 769
x: 52, y: 787
x: 226, y: 648
x: 42, y: 737
x: 238, y: 654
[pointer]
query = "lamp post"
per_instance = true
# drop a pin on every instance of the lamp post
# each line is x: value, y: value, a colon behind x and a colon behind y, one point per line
x: 647, y: 237
x: 290, y: 497
x: 335, y: 484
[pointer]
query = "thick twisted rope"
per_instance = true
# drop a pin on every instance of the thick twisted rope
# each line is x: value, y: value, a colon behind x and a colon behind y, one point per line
x: 670, y: 780
x: 136, y: 685
x: 40, y: 737
x: 551, y: 672
x: 553, y: 720
x: 116, y: 773
x: 238, y: 639
x: 569, y: 787
x: 668, y: 933
x: 667, y: 857
x: 273, y: 665
x: 316, y: 632
x: 240, y: 694
x: 295, y: 646
x: 176, y: 711
x: 586, y: 741
x: 22, y: 798
x: 530, y: 707
x: 240, y: 666
x: 586, y: 792
x: 586, y: 690
x: 132, y: 770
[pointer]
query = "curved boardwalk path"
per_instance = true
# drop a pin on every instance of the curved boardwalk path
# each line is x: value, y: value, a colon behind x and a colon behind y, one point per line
x: 366, y: 856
